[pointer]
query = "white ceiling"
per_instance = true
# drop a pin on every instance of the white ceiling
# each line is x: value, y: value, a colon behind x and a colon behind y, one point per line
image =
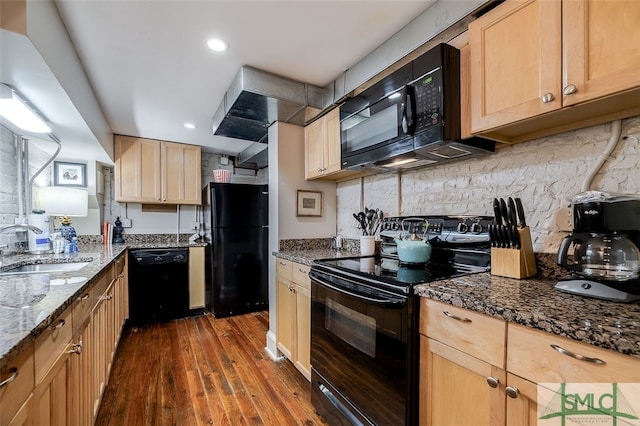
x: 151, y: 70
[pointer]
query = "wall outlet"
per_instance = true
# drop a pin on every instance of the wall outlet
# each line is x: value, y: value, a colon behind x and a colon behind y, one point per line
x: 126, y: 223
x: 564, y: 219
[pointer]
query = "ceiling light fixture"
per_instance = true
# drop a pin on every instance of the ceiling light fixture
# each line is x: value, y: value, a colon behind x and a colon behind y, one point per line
x: 15, y: 109
x: 189, y: 126
x: 395, y: 95
x: 217, y: 45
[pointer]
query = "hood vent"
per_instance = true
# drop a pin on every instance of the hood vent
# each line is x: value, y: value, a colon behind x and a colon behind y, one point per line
x: 256, y: 99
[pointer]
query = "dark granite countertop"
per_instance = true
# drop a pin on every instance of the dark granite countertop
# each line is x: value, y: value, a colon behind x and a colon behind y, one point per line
x: 30, y: 302
x: 535, y: 303
x: 530, y: 302
x: 306, y: 257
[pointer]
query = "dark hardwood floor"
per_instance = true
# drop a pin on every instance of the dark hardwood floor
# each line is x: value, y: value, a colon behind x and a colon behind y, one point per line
x: 203, y: 370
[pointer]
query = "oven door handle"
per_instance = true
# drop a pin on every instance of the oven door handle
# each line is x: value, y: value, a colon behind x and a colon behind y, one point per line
x: 392, y: 302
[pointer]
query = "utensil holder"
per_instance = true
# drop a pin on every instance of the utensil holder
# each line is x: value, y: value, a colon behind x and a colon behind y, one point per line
x: 515, y: 263
x: 367, y: 245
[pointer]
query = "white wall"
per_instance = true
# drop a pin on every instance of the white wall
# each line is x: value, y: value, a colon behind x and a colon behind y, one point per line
x: 289, y: 179
x: 286, y: 176
x: 545, y: 173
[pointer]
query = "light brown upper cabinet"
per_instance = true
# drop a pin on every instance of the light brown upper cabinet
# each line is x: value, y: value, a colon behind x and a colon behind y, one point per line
x: 157, y: 172
x: 533, y: 59
x: 322, y: 149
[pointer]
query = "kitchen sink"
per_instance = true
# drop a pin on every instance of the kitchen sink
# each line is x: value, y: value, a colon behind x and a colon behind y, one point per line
x: 45, y: 268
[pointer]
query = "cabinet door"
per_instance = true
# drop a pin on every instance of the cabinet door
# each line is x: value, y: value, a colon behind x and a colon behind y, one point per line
x: 24, y: 416
x: 18, y: 378
x: 454, y: 388
x: 601, y: 54
x: 181, y: 173
x: 332, y: 153
x: 522, y: 402
x: 285, y: 317
x: 196, y: 277
x: 515, y: 63
x: 80, y: 380
x: 52, y: 405
x: 137, y: 170
x: 314, y: 149
x: 303, y: 331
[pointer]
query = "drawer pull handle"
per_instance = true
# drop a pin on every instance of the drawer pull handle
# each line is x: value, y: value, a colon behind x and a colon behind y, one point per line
x: 493, y: 381
x: 512, y: 392
x: 60, y: 324
x: 85, y: 297
x: 455, y: 317
x: 577, y: 356
x: 11, y: 378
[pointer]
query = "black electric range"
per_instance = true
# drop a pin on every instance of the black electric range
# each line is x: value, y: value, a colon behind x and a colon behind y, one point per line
x: 364, y: 321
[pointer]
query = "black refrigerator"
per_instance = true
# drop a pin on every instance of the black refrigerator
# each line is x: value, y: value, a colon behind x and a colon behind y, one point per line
x: 236, y: 219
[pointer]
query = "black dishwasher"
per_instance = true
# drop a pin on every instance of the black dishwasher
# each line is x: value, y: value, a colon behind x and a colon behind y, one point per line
x: 158, y: 285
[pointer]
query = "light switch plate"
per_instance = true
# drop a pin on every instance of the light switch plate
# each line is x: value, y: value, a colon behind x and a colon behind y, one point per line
x: 564, y: 219
x: 126, y: 223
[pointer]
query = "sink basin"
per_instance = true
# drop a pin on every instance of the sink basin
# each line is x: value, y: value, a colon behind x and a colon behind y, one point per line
x: 45, y: 268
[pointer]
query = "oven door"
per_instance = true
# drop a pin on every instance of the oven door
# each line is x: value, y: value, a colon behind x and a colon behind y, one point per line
x: 359, y: 351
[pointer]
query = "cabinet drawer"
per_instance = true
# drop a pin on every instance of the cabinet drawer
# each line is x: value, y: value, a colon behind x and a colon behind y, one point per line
x: 530, y: 354
x: 82, y: 307
x: 300, y: 275
x: 51, y: 343
x: 283, y: 269
x: 15, y: 393
x: 472, y: 333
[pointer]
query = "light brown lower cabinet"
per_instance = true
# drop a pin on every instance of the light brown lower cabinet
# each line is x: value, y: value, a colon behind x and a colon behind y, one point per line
x: 293, y: 314
x: 16, y: 394
x: 61, y: 377
x: 24, y: 416
x: 462, y: 381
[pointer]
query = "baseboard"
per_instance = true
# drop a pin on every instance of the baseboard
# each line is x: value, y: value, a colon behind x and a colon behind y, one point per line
x: 272, y: 348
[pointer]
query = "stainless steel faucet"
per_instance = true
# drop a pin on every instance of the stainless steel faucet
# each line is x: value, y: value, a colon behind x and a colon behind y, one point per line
x: 20, y: 227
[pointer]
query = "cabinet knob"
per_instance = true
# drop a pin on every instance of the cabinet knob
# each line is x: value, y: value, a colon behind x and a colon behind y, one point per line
x: 319, y: 169
x: 493, y: 381
x: 569, y: 89
x: 547, y: 97
x: 512, y: 392
x: 76, y: 348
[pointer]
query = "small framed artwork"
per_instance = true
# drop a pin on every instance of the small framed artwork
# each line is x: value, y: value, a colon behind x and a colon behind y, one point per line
x: 309, y: 203
x: 69, y: 174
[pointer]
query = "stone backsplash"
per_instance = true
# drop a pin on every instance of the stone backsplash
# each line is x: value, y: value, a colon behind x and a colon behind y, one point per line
x: 545, y: 173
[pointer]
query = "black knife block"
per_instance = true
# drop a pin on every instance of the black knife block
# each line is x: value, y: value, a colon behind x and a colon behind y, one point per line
x: 512, y: 262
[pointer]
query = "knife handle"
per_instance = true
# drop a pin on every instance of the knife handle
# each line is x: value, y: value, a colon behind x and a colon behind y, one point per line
x: 521, y: 222
x: 503, y: 212
x: 496, y: 212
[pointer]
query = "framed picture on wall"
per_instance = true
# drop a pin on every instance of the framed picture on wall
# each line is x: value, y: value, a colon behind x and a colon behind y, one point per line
x: 309, y: 203
x: 69, y: 174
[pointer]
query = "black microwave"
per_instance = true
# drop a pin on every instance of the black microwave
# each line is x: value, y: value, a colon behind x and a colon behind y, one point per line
x: 409, y: 118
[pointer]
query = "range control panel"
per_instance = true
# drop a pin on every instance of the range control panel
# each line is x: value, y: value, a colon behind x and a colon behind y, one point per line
x: 459, y: 229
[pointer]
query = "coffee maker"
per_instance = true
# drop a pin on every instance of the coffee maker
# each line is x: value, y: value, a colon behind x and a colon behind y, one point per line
x: 606, y: 248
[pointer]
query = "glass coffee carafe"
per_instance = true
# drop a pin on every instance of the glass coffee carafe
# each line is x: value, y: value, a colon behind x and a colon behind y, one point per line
x: 601, y: 256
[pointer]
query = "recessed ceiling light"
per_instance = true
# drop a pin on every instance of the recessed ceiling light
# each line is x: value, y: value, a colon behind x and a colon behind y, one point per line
x: 190, y: 126
x: 217, y: 45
